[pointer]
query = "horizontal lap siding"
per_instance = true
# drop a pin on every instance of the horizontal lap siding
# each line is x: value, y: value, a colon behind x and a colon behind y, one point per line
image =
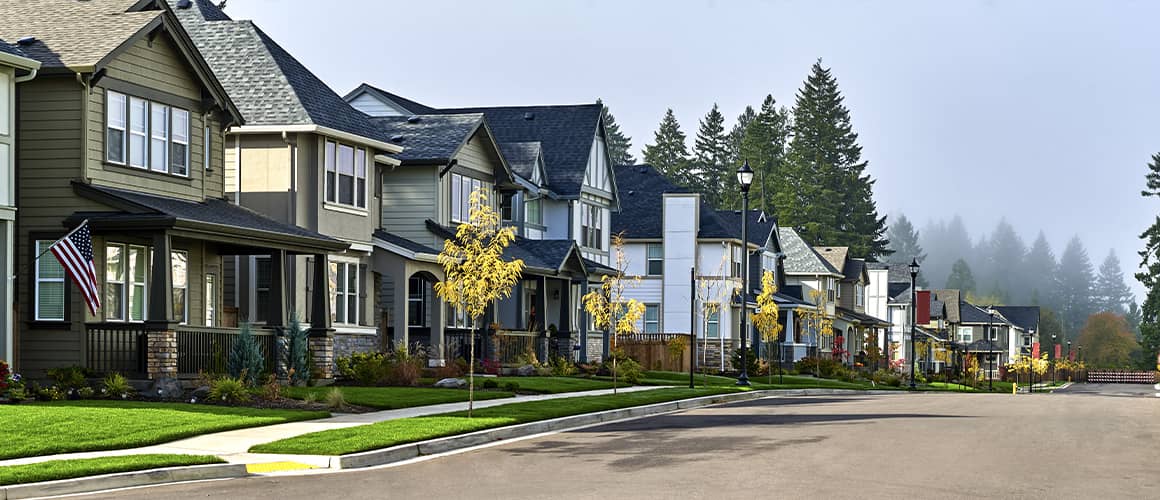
x: 409, y: 198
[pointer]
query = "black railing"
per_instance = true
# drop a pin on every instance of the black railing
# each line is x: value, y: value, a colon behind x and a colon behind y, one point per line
x: 510, y: 346
x: 203, y: 349
x: 116, y: 347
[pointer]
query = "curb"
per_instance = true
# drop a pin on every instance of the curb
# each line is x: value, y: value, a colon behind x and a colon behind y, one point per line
x: 122, y: 480
x: 451, y: 443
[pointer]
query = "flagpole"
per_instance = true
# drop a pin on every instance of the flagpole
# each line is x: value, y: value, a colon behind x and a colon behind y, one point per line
x: 49, y: 249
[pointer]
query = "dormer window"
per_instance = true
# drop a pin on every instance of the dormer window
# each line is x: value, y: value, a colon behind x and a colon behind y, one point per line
x: 146, y: 135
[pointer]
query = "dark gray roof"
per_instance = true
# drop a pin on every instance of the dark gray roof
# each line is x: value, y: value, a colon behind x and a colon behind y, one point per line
x: 853, y: 269
x: 11, y: 49
x: 407, y: 104
x: 984, y: 345
x: 800, y: 258
x: 865, y: 319
x: 898, y: 292
x: 548, y: 255
x: 268, y: 85
x: 760, y: 226
x: 1024, y: 317
x: 971, y: 313
x: 522, y: 157
x: 395, y: 239
x: 429, y: 139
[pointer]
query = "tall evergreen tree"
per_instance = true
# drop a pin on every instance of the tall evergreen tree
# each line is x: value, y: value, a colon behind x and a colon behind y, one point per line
x: 1111, y: 292
x: 730, y: 191
x: 1076, y: 277
x: 961, y: 277
x: 711, y: 153
x: 1039, y: 272
x: 668, y: 153
x: 1149, y: 276
x: 619, y: 145
x: 1005, y: 260
x: 828, y: 195
x: 764, y: 148
x: 904, y: 243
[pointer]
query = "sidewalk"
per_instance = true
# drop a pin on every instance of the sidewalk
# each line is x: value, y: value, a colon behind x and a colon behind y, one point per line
x: 232, y: 446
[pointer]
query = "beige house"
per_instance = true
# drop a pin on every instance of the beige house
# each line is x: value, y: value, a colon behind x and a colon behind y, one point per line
x: 123, y: 128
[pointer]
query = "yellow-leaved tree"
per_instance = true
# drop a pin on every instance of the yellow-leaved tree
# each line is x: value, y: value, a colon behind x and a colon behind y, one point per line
x: 766, y: 318
x: 608, y: 307
x: 817, y: 320
x: 476, y: 275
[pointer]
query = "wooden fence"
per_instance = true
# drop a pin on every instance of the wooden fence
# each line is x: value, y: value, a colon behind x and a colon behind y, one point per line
x: 658, y: 351
x: 1120, y: 377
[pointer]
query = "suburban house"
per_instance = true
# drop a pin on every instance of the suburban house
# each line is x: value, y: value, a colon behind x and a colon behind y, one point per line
x: 122, y: 132
x: 996, y: 335
x: 816, y: 281
x: 851, y: 322
x: 668, y: 232
x: 15, y: 68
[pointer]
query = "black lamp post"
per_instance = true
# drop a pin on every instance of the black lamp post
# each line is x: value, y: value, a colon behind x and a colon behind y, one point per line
x: 745, y: 179
x: 1070, y: 369
x: 1053, y: 356
x: 990, y: 350
x: 913, y: 315
x: 1079, y: 359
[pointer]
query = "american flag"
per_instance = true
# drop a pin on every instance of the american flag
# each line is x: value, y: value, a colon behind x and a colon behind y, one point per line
x: 75, y: 253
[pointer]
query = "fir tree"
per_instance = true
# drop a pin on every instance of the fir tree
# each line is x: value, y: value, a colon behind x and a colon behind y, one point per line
x: 1039, y: 272
x: 246, y: 361
x: 764, y: 148
x: 1006, y: 255
x: 961, y: 277
x: 619, y: 145
x: 299, y: 352
x: 828, y: 195
x: 905, y: 247
x: 668, y: 153
x: 730, y: 191
x: 711, y: 156
x: 1111, y: 292
x: 1150, y: 264
x: 1076, y: 301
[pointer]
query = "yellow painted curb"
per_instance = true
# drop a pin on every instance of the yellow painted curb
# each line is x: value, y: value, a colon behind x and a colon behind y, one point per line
x: 276, y: 467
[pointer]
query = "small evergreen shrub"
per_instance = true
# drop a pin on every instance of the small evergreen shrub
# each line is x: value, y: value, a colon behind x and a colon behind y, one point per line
x: 511, y: 386
x: 116, y: 385
x: 246, y: 361
x: 230, y: 389
x: 299, y: 362
x: 490, y: 384
x: 68, y: 378
x: 753, y: 365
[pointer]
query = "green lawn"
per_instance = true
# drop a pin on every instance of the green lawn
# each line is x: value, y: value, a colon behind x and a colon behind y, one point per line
x: 409, y: 430
x: 391, y: 398
x: 67, y: 469
x: 34, y: 429
x: 757, y: 382
x: 943, y: 386
x: 552, y: 385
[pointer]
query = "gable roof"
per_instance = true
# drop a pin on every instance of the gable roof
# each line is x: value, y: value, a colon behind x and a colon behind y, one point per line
x: 429, y: 139
x: 523, y: 158
x: 800, y: 258
x: 73, y: 34
x: 836, y: 256
x: 1024, y: 317
x: 760, y: 226
x: 11, y: 55
x: 269, y: 85
x: 971, y: 313
x: 952, y: 298
x: 402, y: 102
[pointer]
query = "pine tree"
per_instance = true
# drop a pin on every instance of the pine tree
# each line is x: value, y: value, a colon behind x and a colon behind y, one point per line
x: 828, y: 195
x: 1111, y: 292
x: 619, y: 145
x: 668, y: 153
x: 1006, y: 256
x: 764, y: 148
x: 1039, y: 272
x: 1134, y: 317
x: 1150, y: 275
x: 730, y: 191
x: 245, y: 360
x: 961, y: 278
x: 711, y: 156
x: 1076, y: 300
x: 905, y: 247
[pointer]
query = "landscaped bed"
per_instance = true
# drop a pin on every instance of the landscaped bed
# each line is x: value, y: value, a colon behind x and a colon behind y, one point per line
x: 390, y: 398
x: 409, y: 430
x: 34, y: 429
x: 53, y: 470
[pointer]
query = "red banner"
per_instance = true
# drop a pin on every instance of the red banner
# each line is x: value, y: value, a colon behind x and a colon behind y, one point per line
x: 1035, y: 350
x: 923, y: 307
x: 1057, y: 346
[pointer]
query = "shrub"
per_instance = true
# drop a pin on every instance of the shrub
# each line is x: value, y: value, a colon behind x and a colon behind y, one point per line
x: 404, y: 365
x: 310, y: 398
x: 588, y: 369
x: 450, y: 370
x: 511, y: 386
x: 627, y: 369
x: 335, y: 398
x: 821, y: 367
x: 886, y: 377
x: 490, y: 384
x: 562, y: 367
x: 752, y: 364
x: 846, y: 375
x: 230, y: 389
x: 246, y: 362
x: 365, y: 368
x: 115, y: 385
x: 50, y: 394
x: 271, y: 390
x: 299, y: 353
x: 86, y: 392
x: 68, y: 378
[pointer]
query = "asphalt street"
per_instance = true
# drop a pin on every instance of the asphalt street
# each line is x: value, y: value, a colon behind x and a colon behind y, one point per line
x: 1086, y: 442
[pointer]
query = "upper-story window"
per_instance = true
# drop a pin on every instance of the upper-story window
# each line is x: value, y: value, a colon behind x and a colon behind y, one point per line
x: 735, y: 260
x: 655, y: 255
x: 506, y: 204
x: 461, y: 188
x: 964, y: 334
x: 859, y: 294
x: 591, y: 226
x: 346, y: 174
x: 534, y: 211
x: 652, y: 318
x: 146, y: 135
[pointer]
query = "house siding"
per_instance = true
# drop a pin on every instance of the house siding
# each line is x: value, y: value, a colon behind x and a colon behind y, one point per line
x: 409, y: 198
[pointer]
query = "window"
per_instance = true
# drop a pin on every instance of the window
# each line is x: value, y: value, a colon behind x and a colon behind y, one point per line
x: 652, y: 318
x: 346, y: 184
x: 331, y: 173
x: 713, y: 325
x: 655, y: 253
x: 360, y: 176
x: 964, y: 334
x: 830, y: 292
x: 591, y: 224
x: 115, y: 282
x: 262, y: 281
x: 125, y: 271
x: 461, y: 189
x: 993, y: 333
x: 346, y: 174
x: 344, y: 281
x: 416, y: 302
x: 735, y: 260
x: 210, y: 300
x: 456, y: 319
x: 533, y: 211
x: 858, y: 294
x: 207, y: 155
x: 50, y: 289
x: 155, y: 135
x: 138, y: 265
x: 505, y: 206
x: 180, y: 262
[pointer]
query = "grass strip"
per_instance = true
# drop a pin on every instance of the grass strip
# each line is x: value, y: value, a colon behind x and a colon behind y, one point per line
x: 552, y: 385
x: 392, y: 398
x: 409, y: 430
x: 53, y: 470
x: 35, y: 429
x: 757, y: 381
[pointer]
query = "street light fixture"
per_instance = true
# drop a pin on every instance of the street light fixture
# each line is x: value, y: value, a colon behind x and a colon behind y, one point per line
x: 1053, y: 356
x: 745, y: 179
x: 990, y: 349
x: 913, y: 315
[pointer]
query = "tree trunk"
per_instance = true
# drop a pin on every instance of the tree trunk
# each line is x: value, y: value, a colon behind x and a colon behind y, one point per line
x: 471, y: 371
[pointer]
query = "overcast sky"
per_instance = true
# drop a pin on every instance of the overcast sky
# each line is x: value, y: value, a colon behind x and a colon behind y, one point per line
x: 1043, y: 112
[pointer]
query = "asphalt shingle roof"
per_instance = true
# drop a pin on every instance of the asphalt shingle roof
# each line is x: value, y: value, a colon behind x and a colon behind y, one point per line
x: 971, y: 313
x: 835, y: 256
x: 952, y: 298
x: 71, y: 33
x: 522, y: 157
x: 11, y: 49
x: 799, y: 257
x: 268, y: 85
x: 1025, y: 317
x: 429, y: 138
x: 413, y: 246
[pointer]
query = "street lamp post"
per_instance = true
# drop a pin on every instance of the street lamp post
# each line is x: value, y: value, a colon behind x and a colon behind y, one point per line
x: 745, y: 179
x: 1071, y: 369
x: 1053, y: 356
x: 1079, y: 359
x: 990, y: 349
x: 913, y: 315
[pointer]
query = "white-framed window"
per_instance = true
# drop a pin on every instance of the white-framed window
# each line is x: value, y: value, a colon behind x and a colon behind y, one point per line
x: 210, y: 300
x: 346, y: 174
x: 179, y: 259
x: 591, y: 226
x: 158, y: 137
x: 416, y: 302
x: 713, y: 325
x: 137, y: 131
x: 125, y: 282
x: 147, y: 135
x: 179, y: 143
x: 207, y: 153
x: 456, y: 319
x: 993, y: 333
x: 50, y: 285
x: 964, y: 334
x: 735, y: 260
x: 461, y: 189
x: 534, y: 211
x: 139, y: 258
x: 859, y: 294
x: 116, y: 120
x: 652, y: 318
x: 655, y: 257
x: 344, y: 286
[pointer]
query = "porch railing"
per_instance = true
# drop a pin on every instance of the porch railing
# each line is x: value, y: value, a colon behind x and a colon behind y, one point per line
x: 511, y: 344
x: 114, y: 347
x: 205, y: 349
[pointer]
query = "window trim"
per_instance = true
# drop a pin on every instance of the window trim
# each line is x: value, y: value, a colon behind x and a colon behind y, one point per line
x: 148, y: 134
x: 645, y: 321
x: 37, y: 280
x: 713, y: 321
x: 650, y: 259
x: 184, y: 320
x: 333, y: 176
x: 342, y: 291
x: 419, y: 298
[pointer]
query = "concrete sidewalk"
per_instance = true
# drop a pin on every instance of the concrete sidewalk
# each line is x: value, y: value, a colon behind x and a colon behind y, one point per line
x: 232, y: 446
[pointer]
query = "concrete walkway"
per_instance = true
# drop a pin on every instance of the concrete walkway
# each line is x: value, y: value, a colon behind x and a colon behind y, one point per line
x: 232, y: 446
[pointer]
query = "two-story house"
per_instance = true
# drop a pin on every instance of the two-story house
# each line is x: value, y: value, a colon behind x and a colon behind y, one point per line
x: 122, y: 130
x: 15, y: 68
x: 306, y: 158
x: 817, y: 282
x: 851, y: 322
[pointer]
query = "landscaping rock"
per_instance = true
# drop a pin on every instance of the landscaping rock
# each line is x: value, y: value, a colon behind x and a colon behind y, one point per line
x: 451, y: 383
x: 164, y: 388
x: 526, y: 371
x: 201, y: 392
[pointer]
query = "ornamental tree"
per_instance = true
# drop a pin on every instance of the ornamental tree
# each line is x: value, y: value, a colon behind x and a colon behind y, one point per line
x: 476, y: 274
x: 766, y: 317
x: 608, y: 307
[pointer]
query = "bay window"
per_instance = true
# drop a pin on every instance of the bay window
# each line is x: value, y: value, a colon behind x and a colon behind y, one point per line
x: 533, y: 211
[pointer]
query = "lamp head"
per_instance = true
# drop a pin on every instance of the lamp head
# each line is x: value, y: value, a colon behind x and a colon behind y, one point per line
x: 913, y: 268
x: 745, y: 177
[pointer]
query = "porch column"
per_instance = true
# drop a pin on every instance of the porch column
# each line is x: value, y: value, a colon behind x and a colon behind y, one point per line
x: 161, y: 337
x: 276, y: 314
x: 789, y: 339
x: 321, y: 342
x: 438, y: 354
x: 583, y: 323
x: 542, y: 316
x: 565, y: 320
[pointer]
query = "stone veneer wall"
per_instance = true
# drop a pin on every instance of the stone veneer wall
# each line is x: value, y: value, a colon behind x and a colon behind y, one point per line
x: 322, y: 352
x: 595, y: 347
x: 709, y: 354
x: 346, y: 344
x: 161, y: 354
